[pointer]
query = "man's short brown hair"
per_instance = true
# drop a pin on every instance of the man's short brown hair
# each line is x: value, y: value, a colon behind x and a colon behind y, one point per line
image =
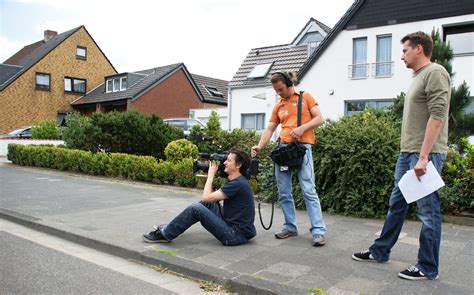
x: 242, y: 159
x: 420, y: 38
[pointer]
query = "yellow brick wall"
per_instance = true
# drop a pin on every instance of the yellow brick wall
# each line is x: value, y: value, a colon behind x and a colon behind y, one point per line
x: 22, y: 105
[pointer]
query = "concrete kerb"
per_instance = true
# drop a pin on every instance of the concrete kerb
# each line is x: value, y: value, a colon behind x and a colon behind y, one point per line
x: 243, y: 284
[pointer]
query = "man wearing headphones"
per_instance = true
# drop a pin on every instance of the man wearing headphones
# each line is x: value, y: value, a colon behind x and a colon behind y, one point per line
x: 285, y: 113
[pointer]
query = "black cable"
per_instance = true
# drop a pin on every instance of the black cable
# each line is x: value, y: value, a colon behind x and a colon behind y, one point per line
x: 273, y: 204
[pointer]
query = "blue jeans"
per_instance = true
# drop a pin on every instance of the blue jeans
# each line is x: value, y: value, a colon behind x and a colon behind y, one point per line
x: 210, y: 216
x: 429, y: 212
x: 308, y: 188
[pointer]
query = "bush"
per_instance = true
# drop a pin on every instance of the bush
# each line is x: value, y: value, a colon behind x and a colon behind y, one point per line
x: 80, y: 133
x: 354, y: 163
x: 181, y: 149
x: 458, y: 175
x: 143, y: 168
x: 183, y: 172
x: 46, y: 129
x: 129, y: 132
x: 165, y: 173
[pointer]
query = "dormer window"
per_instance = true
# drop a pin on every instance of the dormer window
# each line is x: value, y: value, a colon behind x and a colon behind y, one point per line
x: 312, y: 47
x: 213, y: 91
x: 260, y: 71
x: 81, y: 52
x: 116, y: 84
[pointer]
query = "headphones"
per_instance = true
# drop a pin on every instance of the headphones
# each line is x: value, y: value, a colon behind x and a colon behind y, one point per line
x: 288, y: 82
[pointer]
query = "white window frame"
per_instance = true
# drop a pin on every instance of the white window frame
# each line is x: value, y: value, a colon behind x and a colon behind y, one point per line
x: 260, y: 71
x: 256, y: 115
x: 122, y: 87
x: 79, y: 56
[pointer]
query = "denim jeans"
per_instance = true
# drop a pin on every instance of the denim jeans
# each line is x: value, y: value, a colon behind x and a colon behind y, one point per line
x: 210, y: 216
x: 308, y: 188
x: 428, y: 211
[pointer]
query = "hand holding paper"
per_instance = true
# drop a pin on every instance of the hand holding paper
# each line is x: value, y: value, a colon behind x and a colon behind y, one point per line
x: 414, y: 189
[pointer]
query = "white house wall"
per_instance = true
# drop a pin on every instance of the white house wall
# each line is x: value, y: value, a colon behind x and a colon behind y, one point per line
x: 330, y: 72
x: 243, y: 102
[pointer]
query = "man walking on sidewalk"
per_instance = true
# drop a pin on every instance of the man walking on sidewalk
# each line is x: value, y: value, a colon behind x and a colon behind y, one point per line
x: 232, y: 226
x: 424, y: 138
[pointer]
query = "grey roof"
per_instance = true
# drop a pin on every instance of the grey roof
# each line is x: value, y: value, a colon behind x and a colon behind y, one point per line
x: 151, y: 78
x: 33, y: 53
x: 374, y: 13
x: 221, y: 85
x: 284, y: 58
x: 8, y: 71
x: 30, y: 59
x: 323, y: 26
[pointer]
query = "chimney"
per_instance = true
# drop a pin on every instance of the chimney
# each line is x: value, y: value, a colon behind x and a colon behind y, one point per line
x: 48, y: 35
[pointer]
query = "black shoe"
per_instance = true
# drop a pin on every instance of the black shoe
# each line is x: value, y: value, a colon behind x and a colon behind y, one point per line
x: 284, y: 234
x: 413, y: 273
x: 364, y: 256
x: 155, y: 237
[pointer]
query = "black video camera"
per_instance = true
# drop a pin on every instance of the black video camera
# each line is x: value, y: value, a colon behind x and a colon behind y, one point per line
x: 203, y: 164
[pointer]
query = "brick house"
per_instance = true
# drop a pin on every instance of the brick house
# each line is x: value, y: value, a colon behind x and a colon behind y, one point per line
x: 167, y: 91
x: 39, y: 81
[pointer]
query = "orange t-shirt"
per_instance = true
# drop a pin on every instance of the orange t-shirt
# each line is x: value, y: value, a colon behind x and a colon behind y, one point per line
x: 285, y: 112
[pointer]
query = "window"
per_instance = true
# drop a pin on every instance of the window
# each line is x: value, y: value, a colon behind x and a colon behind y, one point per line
x: 213, y: 91
x: 43, y: 81
x: 109, y: 86
x: 253, y: 121
x: 177, y: 123
x: 81, y: 52
x: 123, y: 83
x: 359, y: 58
x: 357, y: 106
x: 74, y: 85
x: 312, y: 47
x: 116, y: 84
x: 460, y: 37
x: 260, y: 71
x: 383, y: 66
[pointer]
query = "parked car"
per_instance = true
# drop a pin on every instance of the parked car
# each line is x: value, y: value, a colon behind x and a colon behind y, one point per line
x: 184, y: 123
x: 24, y: 132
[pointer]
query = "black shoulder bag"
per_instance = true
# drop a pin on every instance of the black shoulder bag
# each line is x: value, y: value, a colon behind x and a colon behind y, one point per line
x: 292, y: 154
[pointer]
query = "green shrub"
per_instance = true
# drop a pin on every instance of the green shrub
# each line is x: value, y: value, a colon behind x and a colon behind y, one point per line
x: 181, y: 149
x: 46, y: 129
x: 142, y: 168
x: 183, y: 171
x: 165, y: 173
x: 80, y: 133
x: 129, y: 132
x: 458, y: 175
x: 354, y: 163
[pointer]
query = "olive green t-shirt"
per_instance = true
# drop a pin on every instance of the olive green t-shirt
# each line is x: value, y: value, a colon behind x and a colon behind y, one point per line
x: 428, y: 96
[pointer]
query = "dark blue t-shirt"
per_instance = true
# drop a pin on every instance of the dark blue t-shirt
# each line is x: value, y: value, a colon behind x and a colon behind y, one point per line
x: 239, y: 209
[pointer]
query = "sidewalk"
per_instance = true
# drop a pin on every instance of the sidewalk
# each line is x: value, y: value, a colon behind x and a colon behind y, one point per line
x: 111, y: 215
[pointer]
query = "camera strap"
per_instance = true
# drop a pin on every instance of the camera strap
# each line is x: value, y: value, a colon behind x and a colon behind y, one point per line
x: 300, y: 103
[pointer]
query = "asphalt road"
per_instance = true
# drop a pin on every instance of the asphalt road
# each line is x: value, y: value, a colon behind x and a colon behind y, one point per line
x: 35, y: 263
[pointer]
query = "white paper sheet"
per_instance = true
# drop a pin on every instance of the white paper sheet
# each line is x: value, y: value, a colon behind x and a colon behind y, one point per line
x: 414, y: 189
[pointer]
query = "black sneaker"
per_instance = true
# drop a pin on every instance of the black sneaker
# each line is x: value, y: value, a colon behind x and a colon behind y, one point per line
x: 364, y: 256
x: 155, y: 237
x: 284, y: 234
x: 413, y: 273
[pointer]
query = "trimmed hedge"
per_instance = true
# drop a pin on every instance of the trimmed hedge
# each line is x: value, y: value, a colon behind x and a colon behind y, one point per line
x: 141, y: 168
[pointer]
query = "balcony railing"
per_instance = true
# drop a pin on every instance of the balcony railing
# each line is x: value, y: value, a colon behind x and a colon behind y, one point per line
x: 378, y: 70
x: 359, y: 71
x: 382, y: 69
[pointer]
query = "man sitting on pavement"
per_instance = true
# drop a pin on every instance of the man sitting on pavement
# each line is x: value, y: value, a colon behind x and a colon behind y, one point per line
x: 232, y: 226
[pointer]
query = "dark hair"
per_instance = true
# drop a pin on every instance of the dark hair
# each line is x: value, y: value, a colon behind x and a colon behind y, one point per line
x: 242, y: 159
x: 420, y: 38
x: 280, y: 76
